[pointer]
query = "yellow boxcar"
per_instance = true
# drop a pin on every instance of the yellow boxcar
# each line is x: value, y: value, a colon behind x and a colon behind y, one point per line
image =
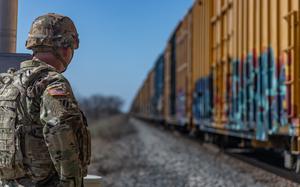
x: 144, y: 101
x: 233, y: 66
x: 245, y: 53
x: 221, y: 41
x: 255, y: 67
x: 167, y: 83
x: 183, y: 62
x: 135, y: 108
x: 170, y: 80
x: 151, y: 94
x: 201, y: 62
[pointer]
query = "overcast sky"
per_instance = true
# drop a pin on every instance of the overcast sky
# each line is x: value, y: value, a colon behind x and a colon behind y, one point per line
x: 119, y: 40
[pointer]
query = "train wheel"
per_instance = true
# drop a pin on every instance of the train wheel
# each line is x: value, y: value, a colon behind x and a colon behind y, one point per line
x: 297, y: 168
x: 288, y: 160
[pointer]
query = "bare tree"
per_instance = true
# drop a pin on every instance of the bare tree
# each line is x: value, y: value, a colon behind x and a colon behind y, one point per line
x: 99, y: 106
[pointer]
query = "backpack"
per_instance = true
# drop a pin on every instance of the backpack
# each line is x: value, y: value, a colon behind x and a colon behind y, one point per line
x: 11, y: 165
x: 12, y: 94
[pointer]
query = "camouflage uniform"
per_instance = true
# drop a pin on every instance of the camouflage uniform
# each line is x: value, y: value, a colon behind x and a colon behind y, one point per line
x: 55, y: 142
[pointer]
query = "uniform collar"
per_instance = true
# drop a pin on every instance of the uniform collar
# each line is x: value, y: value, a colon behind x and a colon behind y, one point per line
x: 34, y: 63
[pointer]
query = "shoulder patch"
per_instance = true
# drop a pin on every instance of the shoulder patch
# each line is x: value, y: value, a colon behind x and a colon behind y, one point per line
x: 58, y: 90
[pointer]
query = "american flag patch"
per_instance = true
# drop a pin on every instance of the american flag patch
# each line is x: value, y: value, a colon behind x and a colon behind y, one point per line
x: 57, y: 91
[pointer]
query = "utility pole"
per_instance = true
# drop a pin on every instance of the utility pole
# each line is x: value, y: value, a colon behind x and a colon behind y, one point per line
x: 8, y: 36
x: 8, y: 25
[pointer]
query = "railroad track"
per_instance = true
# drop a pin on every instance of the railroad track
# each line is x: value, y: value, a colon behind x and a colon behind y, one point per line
x: 267, y: 160
x: 258, y: 160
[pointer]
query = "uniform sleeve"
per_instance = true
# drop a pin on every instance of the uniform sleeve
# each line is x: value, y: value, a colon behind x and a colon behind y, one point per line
x: 62, y: 118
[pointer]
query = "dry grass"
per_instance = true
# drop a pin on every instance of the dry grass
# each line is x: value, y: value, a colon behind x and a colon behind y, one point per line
x: 111, y: 129
x: 108, y: 150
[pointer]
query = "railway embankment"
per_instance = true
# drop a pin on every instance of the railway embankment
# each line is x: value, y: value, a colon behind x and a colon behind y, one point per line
x: 129, y: 152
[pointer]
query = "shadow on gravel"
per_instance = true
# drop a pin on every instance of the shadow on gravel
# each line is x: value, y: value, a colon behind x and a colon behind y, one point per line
x: 110, y: 149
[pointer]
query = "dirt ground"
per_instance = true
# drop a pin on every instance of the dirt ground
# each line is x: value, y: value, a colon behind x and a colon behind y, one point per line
x: 131, y: 153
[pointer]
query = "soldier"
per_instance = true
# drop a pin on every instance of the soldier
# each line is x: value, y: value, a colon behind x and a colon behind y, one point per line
x: 51, y: 143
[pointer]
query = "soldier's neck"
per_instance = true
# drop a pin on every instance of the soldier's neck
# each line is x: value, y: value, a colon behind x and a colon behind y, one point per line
x: 49, y: 59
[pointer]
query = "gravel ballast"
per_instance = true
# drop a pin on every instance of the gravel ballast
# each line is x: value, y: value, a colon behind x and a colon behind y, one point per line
x: 150, y: 156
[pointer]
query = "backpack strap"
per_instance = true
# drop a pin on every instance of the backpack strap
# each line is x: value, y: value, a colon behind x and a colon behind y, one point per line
x: 5, y: 75
x: 5, y: 79
x: 22, y: 87
x: 36, y: 73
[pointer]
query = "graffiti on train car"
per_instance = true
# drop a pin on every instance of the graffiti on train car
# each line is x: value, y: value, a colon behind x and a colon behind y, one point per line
x: 232, y: 69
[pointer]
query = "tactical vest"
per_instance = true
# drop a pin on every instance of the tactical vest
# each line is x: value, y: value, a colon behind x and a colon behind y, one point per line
x: 23, y: 152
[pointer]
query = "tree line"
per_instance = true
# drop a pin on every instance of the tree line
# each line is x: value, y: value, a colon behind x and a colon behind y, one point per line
x: 100, y: 106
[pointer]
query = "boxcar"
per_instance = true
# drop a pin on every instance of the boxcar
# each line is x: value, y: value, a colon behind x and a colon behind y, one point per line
x: 232, y: 68
x: 158, y: 88
x: 170, y: 81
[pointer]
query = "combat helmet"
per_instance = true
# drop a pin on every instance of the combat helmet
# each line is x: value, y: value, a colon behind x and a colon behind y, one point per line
x: 50, y: 32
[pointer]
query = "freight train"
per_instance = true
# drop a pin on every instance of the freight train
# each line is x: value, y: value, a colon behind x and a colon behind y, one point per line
x: 231, y: 70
